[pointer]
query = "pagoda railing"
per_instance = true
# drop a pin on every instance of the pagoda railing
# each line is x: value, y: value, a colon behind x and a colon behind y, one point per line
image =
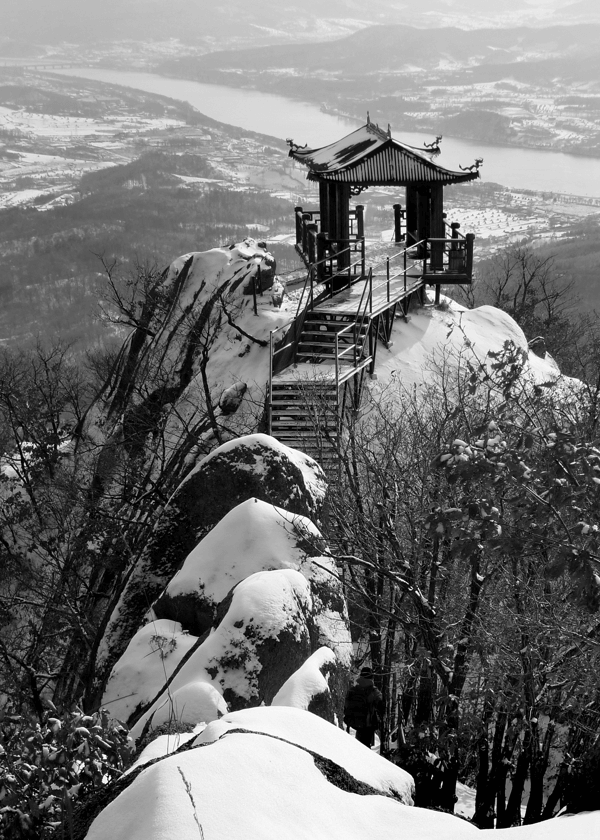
x: 450, y: 258
x: 330, y: 254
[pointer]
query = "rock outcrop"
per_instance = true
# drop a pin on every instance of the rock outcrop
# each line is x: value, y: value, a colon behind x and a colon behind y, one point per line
x: 255, y: 612
x: 254, y: 466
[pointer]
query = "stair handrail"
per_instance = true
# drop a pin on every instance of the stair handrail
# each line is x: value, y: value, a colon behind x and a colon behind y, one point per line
x: 366, y: 303
x: 362, y: 316
x: 401, y: 273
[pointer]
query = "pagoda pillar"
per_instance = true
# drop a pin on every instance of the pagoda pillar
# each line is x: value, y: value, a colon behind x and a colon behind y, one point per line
x: 437, y: 227
x: 412, y: 222
x: 342, y: 200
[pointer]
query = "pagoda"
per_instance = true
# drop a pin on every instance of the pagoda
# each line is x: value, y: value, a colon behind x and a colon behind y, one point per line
x: 369, y: 157
x: 350, y: 304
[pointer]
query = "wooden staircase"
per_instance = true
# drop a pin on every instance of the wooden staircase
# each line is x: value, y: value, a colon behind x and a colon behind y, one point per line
x: 318, y: 344
x: 318, y: 362
x: 305, y: 415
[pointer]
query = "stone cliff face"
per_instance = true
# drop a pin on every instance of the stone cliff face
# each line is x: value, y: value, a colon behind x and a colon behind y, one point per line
x: 191, y: 375
x: 228, y: 595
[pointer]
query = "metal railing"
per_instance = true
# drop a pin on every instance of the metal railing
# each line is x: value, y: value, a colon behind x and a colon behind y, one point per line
x: 456, y: 259
x: 357, y: 327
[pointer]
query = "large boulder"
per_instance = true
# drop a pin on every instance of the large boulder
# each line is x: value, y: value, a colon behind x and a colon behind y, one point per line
x: 254, y: 536
x: 254, y: 466
x: 278, y: 772
x: 252, y: 603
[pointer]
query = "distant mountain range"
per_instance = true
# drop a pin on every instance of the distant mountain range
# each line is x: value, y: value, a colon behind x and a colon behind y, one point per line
x: 214, y: 24
x: 524, y: 53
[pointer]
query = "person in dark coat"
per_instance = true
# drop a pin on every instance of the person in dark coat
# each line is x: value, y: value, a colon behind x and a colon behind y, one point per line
x: 363, y: 708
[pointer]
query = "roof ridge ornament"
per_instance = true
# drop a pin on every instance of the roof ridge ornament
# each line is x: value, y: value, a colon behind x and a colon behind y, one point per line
x: 474, y: 166
x: 373, y: 128
x: 434, y: 148
x: 294, y: 147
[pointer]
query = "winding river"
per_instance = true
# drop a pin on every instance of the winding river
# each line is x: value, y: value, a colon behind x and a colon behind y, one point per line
x: 281, y: 117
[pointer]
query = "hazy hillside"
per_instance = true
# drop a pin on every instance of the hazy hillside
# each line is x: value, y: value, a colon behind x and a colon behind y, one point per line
x: 52, y: 276
x: 526, y: 51
x: 196, y: 21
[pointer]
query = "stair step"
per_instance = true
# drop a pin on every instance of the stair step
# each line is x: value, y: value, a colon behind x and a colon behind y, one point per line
x: 301, y: 386
x: 306, y: 346
x: 330, y: 338
x: 298, y: 396
x: 301, y: 407
x: 306, y: 438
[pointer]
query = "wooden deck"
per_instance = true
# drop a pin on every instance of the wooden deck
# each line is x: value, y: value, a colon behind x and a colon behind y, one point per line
x: 347, y: 302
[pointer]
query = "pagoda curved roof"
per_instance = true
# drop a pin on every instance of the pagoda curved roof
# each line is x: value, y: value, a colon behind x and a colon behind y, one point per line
x: 370, y: 156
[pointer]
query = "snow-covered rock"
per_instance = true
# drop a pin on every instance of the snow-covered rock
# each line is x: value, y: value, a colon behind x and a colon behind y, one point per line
x: 318, y: 686
x: 252, y: 466
x: 254, y: 536
x: 279, y: 772
x: 263, y: 773
x: 253, y: 605
x: 442, y: 339
x: 148, y: 662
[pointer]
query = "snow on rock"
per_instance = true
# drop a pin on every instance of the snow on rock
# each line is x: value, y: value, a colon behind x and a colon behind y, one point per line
x: 278, y: 772
x: 255, y: 536
x: 252, y: 606
x: 267, y: 457
x: 317, y: 735
x: 263, y: 636
x: 164, y: 745
x: 317, y: 686
x: 150, y: 659
x: 250, y: 466
x: 194, y: 703
x: 267, y: 783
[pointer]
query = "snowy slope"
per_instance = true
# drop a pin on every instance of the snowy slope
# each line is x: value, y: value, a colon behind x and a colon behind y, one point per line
x: 433, y: 336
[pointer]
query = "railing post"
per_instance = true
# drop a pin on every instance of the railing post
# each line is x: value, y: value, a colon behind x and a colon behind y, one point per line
x: 456, y: 259
x: 362, y: 257
x: 398, y: 214
x: 387, y: 268
x: 298, y: 211
x: 321, y: 251
x: 254, y: 288
x: 312, y: 242
x: 269, y: 407
x: 305, y: 223
x: 470, y: 237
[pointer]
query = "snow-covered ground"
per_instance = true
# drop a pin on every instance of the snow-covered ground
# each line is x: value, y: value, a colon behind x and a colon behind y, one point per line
x: 53, y: 125
x: 435, y: 337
